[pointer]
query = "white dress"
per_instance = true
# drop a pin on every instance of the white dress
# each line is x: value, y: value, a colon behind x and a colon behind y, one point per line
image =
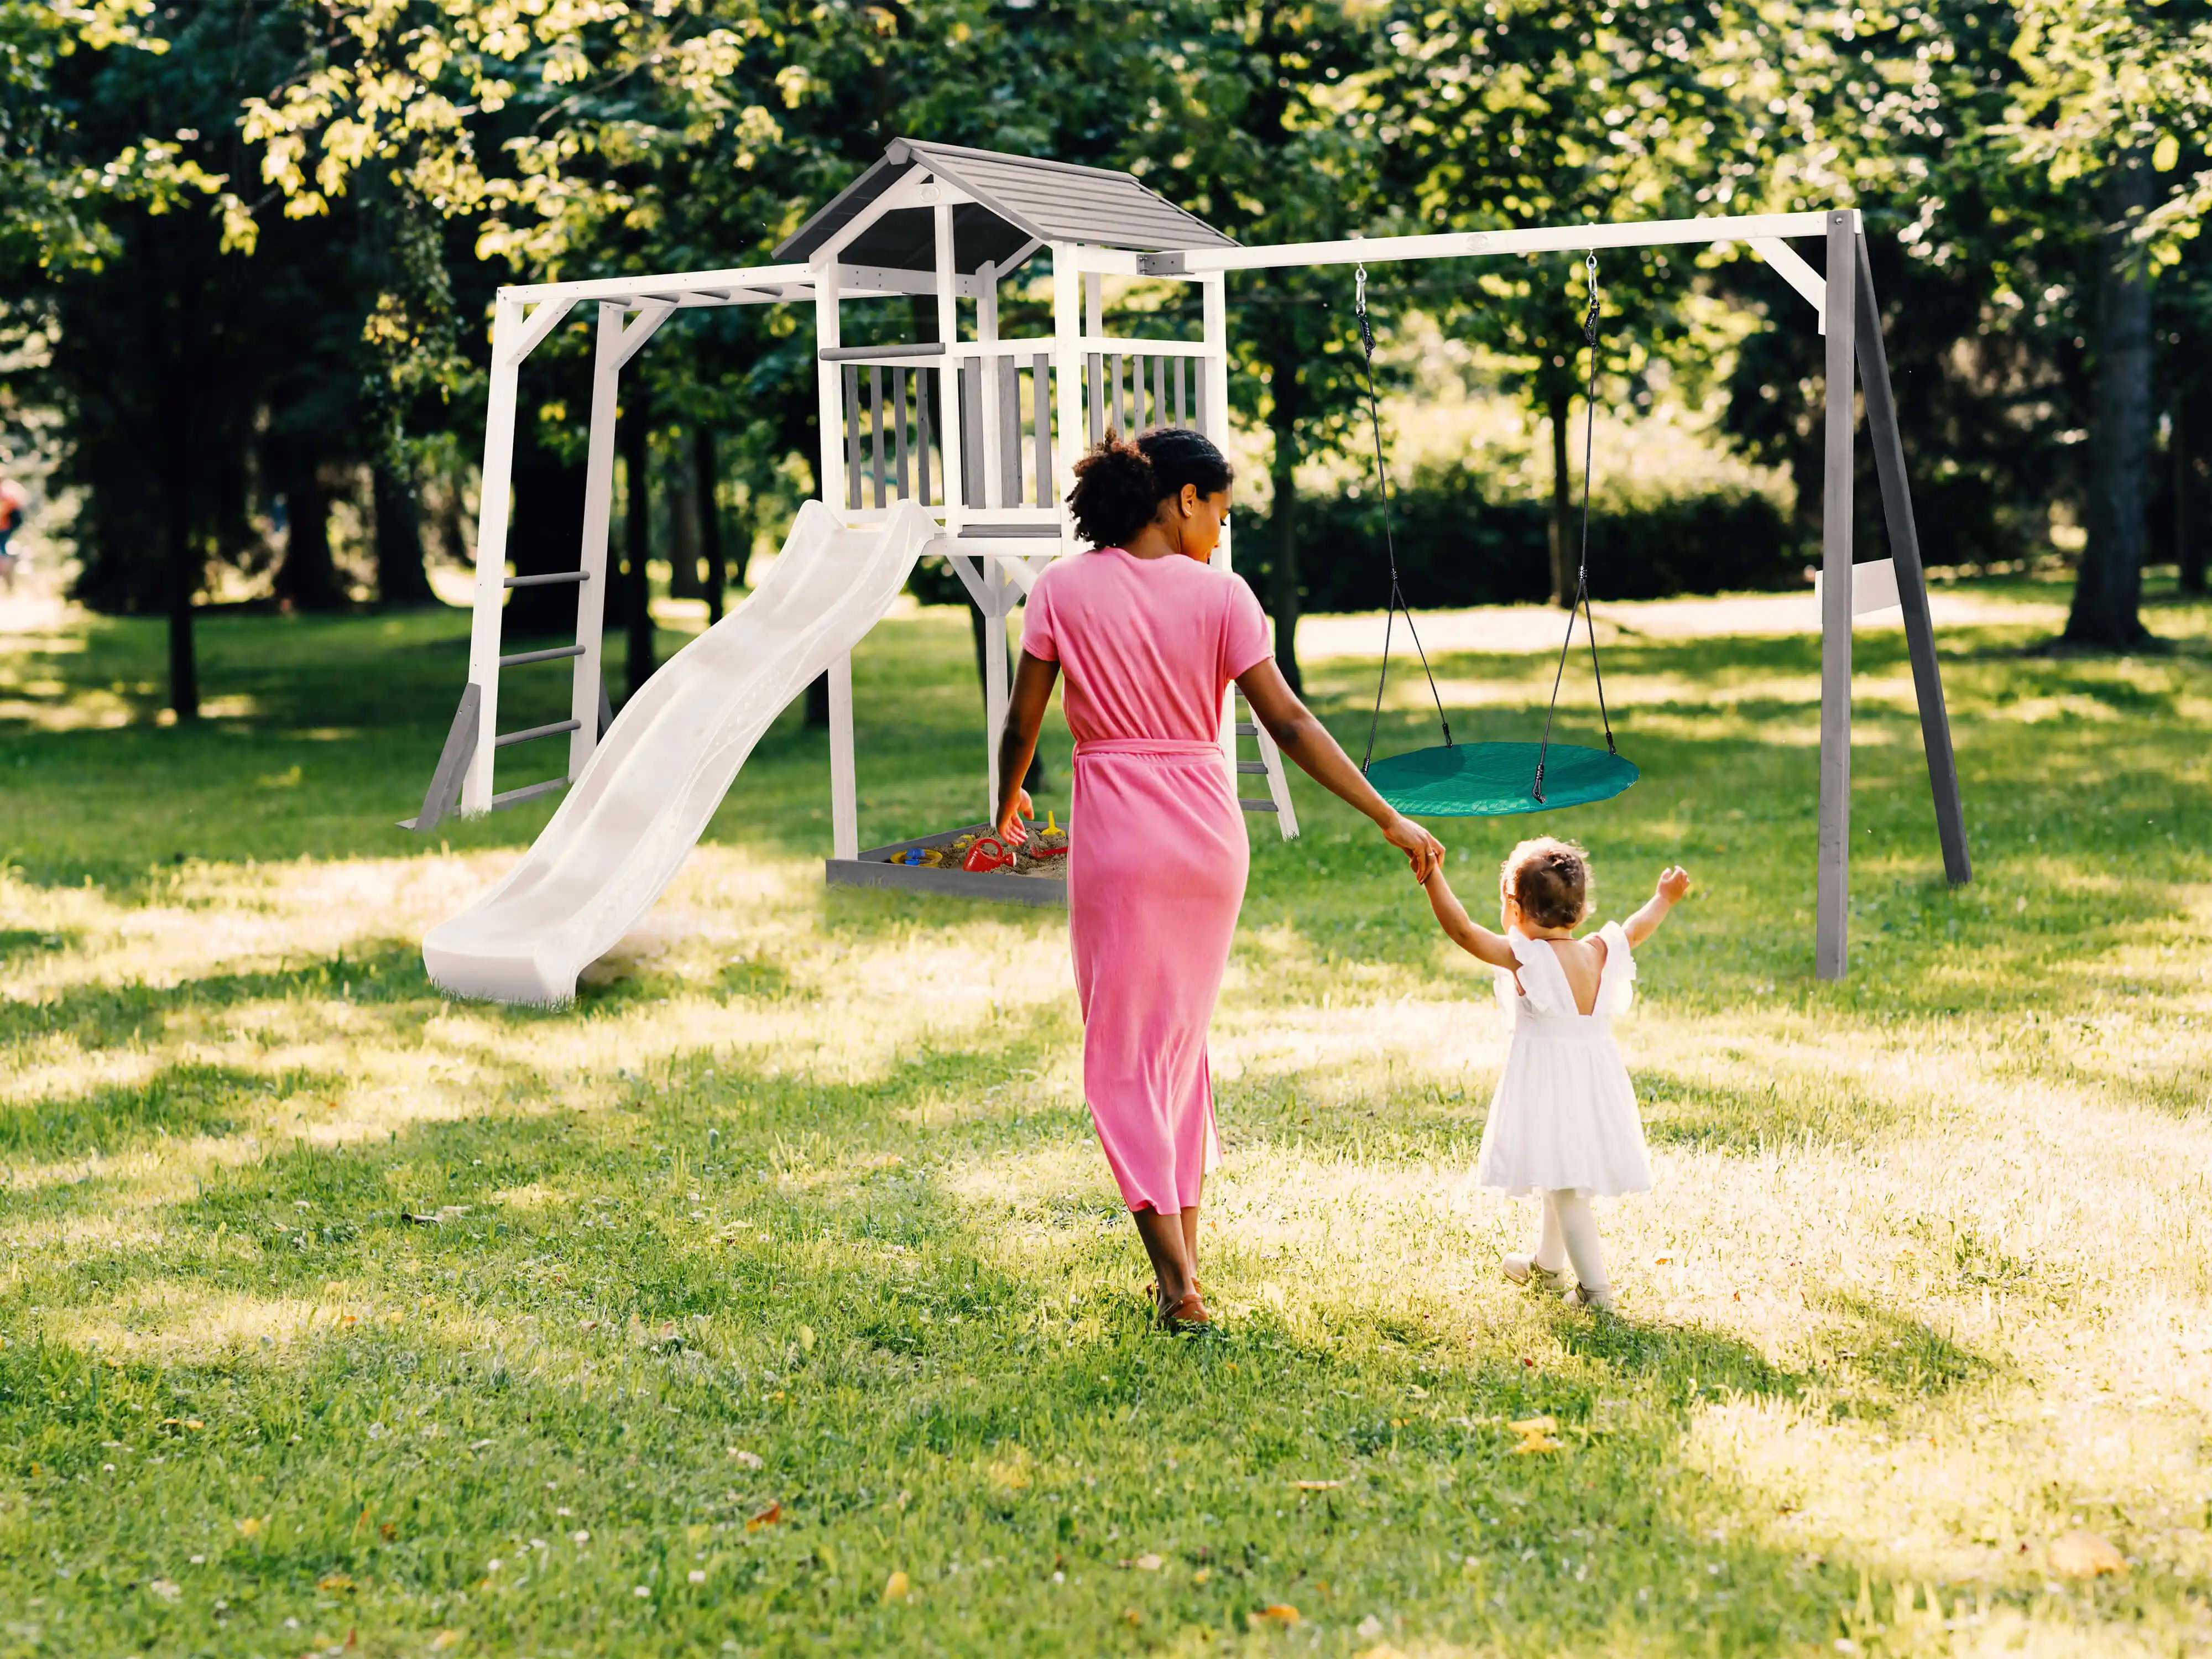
x: 1564, y: 1114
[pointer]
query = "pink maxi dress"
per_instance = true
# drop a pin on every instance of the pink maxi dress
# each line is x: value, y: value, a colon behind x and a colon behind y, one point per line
x: 1157, y: 855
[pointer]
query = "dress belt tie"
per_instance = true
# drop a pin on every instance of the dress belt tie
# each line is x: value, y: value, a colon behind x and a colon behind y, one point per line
x: 1164, y: 746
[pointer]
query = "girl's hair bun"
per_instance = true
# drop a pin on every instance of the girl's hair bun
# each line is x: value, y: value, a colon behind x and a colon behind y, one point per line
x: 1550, y: 879
x: 1120, y: 484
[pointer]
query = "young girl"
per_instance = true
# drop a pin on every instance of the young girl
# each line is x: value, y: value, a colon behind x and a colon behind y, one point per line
x: 1563, y: 1122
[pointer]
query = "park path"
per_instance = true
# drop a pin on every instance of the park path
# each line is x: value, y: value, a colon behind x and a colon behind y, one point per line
x: 1536, y: 627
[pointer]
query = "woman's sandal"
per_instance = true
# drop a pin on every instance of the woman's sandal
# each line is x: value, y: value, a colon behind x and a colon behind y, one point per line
x: 1188, y: 1313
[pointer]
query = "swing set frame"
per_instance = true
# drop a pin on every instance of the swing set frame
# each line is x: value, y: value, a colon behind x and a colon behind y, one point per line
x: 1843, y: 299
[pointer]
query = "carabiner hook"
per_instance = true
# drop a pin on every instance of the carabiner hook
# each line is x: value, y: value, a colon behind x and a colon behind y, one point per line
x: 1359, y: 290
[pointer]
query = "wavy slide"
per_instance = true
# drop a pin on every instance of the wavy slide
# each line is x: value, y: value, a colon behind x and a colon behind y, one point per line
x: 629, y: 823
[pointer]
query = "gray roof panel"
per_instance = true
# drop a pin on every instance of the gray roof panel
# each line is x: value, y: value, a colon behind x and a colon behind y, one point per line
x: 1018, y: 198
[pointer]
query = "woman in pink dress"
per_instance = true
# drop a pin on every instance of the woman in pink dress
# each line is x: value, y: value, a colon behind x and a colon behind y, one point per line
x: 1150, y: 638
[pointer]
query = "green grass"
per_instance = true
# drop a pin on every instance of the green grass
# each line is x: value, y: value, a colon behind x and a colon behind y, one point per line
x: 679, y: 1323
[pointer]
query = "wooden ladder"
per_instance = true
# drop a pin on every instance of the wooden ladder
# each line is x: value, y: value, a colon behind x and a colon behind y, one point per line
x: 1268, y: 766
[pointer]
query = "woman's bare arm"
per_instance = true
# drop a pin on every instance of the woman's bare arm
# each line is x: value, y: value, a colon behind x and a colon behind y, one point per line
x: 1033, y: 679
x: 1470, y: 935
x: 1307, y: 741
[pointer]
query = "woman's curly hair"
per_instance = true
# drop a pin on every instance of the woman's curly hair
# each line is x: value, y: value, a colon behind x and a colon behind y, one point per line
x: 1120, y: 484
x: 1550, y: 879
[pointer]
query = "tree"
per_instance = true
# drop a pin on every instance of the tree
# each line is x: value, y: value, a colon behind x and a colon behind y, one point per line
x: 2109, y: 96
x: 1265, y: 129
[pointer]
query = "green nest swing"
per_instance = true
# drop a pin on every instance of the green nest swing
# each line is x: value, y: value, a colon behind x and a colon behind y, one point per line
x: 1490, y: 780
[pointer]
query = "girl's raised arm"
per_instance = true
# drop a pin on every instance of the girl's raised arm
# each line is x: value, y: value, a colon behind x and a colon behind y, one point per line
x: 1674, y: 882
x: 1470, y: 935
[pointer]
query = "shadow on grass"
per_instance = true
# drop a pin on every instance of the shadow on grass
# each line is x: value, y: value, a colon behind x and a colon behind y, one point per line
x: 1699, y: 1114
x: 612, y: 1305
x: 99, y: 1016
x: 178, y: 1100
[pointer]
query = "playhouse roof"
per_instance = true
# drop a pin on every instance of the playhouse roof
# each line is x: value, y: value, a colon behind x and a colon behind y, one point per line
x: 1019, y: 200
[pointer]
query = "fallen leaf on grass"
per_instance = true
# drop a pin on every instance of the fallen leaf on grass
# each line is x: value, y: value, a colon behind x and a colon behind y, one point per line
x: 1201, y: 1574
x: 751, y: 1460
x: 1536, y: 1442
x: 1275, y: 1613
x: 766, y: 1517
x: 1315, y: 1486
x: 167, y: 1588
x: 251, y: 1527
x: 335, y: 1581
x: 2085, y: 1555
x: 897, y: 1587
x: 445, y: 1638
x: 1535, y: 1426
x: 1146, y: 1563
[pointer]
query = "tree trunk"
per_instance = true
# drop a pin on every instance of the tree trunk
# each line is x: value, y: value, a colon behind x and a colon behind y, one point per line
x: 637, y: 535
x: 184, y: 574
x: 308, y: 580
x: 680, y: 490
x: 707, y: 475
x: 2188, y: 514
x: 400, y: 578
x: 2108, y: 593
x: 1283, y: 414
x: 1558, y: 406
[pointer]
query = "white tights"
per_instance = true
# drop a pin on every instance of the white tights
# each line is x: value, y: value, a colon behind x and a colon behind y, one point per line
x: 1569, y: 1235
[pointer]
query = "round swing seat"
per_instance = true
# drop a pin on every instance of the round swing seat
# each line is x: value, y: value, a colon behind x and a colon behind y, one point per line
x: 1496, y: 780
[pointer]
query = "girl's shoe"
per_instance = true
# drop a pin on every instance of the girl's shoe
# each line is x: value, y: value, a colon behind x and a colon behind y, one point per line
x: 1582, y: 1296
x: 1523, y: 1268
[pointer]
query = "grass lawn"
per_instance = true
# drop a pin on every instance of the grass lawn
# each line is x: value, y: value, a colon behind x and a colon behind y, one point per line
x: 775, y: 1298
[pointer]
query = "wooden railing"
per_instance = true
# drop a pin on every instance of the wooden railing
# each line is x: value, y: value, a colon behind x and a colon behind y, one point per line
x: 894, y: 411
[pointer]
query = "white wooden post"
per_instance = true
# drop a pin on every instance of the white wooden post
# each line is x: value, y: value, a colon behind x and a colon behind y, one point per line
x: 1094, y: 303
x: 1213, y: 305
x: 844, y: 787
x: 948, y: 378
x: 493, y: 510
x: 987, y: 333
x: 599, y: 508
x: 1831, y: 909
x: 828, y: 386
x: 1067, y: 381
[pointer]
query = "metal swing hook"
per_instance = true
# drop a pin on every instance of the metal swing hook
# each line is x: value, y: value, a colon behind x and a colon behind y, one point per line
x: 1360, y: 310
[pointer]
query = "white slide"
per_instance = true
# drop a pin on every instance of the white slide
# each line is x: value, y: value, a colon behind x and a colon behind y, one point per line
x: 654, y: 779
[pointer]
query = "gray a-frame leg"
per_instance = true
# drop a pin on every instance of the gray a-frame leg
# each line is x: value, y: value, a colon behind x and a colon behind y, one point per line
x: 1856, y: 355
x: 1912, y: 579
x: 1833, y: 894
x: 444, y: 794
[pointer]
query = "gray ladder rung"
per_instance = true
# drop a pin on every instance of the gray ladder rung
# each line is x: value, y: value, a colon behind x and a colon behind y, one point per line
x: 1251, y: 806
x: 521, y: 657
x: 1246, y: 729
x: 558, y: 728
x: 557, y: 577
x: 528, y: 792
x: 1259, y: 767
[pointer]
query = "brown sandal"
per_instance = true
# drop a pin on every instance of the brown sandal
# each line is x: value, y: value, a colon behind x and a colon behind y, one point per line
x: 1188, y: 1313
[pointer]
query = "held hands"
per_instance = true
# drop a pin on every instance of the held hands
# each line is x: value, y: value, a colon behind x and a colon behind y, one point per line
x: 1674, y: 883
x: 1010, y: 826
x: 1423, y: 851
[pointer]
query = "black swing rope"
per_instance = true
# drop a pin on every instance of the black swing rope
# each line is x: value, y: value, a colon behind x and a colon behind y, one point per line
x: 1389, y: 550
x: 1582, y: 574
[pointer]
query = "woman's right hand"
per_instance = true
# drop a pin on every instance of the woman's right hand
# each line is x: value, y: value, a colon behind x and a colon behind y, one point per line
x: 1423, y: 850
